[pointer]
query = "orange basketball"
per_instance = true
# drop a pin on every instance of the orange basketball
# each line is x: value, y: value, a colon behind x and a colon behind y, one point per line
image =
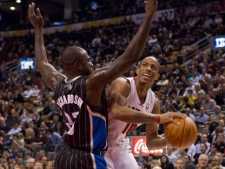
x: 183, y: 135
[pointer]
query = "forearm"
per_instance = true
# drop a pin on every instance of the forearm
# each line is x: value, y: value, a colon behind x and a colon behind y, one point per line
x: 132, y: 116
x: 138, y: 42
x: 40, y: 52
x: 155, y: 142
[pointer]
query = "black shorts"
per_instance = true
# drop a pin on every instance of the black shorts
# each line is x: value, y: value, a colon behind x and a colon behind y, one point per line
x: 70, y: 158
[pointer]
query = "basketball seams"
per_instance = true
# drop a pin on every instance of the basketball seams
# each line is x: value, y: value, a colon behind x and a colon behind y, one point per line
x: 184, y: 126
x: 194, y: 129
x: 173, y: 129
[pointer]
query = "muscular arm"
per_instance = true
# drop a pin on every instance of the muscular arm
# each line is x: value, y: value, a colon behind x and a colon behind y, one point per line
x: 117, y: 93
x: 100, y: 78
x: 154, y: 141
x: 48, y: 72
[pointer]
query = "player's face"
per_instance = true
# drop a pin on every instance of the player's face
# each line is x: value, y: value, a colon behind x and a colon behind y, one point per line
x: 88, y: 66
x: 148, y: 70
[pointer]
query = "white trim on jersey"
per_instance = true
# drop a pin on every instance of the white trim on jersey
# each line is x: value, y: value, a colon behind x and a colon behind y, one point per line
x: 71, y: 80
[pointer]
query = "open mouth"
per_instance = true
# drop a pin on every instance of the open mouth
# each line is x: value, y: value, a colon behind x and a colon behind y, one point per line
x: 147, y: 75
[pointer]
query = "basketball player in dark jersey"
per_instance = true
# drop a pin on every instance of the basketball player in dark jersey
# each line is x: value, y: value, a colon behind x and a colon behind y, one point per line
x: 80, y: 93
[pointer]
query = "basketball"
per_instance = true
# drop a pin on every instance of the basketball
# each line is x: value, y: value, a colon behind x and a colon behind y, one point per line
x: 183, y: 135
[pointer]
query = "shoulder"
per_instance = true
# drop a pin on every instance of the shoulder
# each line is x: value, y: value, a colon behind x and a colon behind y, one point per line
x: 122, y: 84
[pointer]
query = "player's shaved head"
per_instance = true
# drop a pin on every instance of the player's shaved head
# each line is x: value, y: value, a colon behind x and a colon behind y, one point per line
x: 71, y: 55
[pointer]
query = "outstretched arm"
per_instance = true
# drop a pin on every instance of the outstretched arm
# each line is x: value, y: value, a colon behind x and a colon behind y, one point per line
x: 48, y: 72
x: 97, y: 80
x: 135, y: 47
x: 117, y: 94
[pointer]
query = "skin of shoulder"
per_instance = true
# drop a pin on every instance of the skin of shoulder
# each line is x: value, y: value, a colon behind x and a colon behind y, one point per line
x: 120, y: 85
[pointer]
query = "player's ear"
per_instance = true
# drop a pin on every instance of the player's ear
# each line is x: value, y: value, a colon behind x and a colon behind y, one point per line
x: 78, y: 65
x: 158, y: 76
x: 137, y: 70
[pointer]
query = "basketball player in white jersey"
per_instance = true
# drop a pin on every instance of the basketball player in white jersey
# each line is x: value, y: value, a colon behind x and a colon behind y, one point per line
x: 133, y: 103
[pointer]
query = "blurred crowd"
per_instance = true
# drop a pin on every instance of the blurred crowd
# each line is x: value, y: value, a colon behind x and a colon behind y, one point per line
x: 31, y: 124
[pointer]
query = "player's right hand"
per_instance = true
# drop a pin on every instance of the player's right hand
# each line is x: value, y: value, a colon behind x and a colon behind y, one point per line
x: 35, y: 19
x: 169, y: 117
x: 151, y: 7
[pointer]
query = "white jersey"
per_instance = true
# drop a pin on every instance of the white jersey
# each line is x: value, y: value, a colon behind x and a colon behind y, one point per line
x: 117, y: 129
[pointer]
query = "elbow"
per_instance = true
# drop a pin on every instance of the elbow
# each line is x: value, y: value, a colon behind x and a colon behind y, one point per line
x: 150, y: 145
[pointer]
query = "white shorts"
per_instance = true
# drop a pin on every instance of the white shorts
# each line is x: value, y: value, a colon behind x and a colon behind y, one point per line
x: 120, y: 157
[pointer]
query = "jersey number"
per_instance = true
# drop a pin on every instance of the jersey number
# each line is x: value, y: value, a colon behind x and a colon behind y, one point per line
x: 70, y: 123
x: 129, y: 127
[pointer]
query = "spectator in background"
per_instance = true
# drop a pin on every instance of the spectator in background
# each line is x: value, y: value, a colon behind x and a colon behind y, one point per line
x: 190, y: 166
x: 41, y: 154
x: 212, y: 151
x: 18, y: 143
x: 194, y: 77
x: 220, y: 146
x: 189, y: 114
x: 199, y: 100
x: 221, y: 127
x: 44, y: 161
x: 163, y: 81
x: 179, y: 163
x: 221, y: 161
x: 50, y: 165
x: 41, y: 138
x: 15, y: 130
x: 183, y: 104
x: 176, y: 45
x: 36, y: 118
x: 188, y: 87
x: 197, y: 89
x: 203, y: 161
x: 165, y: 163
x: 54, y: 123
x: 213, y: 120
x: 30, y: 163
x: 217, y: 97
x: 215, y: 162
x: 172, y: 158
x: 191, y: 98
x: 203, y: 140
x: 54, y: 139
x: 202, y: 118
x: 38, y: 165
x: 154, y: 163
x: 18, y: 98
x: 208, y: 103
x: 4, y: 128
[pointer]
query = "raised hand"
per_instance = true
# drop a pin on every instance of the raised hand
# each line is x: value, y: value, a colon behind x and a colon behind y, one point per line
x: 169, y: 117
x: 151, y: 7
x: 35, y: 19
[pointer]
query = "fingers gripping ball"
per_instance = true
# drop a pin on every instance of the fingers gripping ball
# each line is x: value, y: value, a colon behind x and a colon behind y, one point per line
x: 183, y: 135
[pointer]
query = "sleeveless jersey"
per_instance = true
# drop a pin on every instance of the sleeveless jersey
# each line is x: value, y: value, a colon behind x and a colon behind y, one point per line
x: 86, y: 128
x: 117, y: 129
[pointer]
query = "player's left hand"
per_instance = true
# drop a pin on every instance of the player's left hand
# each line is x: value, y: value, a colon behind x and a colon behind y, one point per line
x: 169, y: 117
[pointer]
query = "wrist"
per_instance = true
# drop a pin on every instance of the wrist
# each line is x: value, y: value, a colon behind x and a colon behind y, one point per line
x: 148, y: 19
x: 158, y: 118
